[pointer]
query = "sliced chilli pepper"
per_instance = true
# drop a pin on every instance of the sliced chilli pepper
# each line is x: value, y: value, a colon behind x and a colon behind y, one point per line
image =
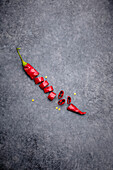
x: 31, y: 72
x: 38, y: 80
x: 61, y: 102
x: 44, y: 84
x: 68, y: 100
x: 48, y: 89
x: 61, y: 94
x: 73, y: 108
x: 51, y: 96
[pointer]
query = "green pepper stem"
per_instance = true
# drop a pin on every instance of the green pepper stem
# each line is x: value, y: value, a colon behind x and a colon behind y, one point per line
x: 23, y: 62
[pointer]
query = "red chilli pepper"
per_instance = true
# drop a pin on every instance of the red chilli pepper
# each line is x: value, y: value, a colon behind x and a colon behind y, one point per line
x: 61, y: 94
x: 51, y: 96
x: 44, y: 84
x: 48, y: 89
x: 68, y: 100
x: 31, y: 72
x: 61, y: 102
x: 73, y: 108
x: 38, y: 80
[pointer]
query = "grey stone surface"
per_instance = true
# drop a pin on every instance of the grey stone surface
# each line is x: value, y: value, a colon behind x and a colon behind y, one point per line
x: 70, y: 41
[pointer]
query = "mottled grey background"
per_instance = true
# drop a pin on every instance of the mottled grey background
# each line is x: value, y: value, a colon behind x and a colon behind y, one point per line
x: 70, y: 41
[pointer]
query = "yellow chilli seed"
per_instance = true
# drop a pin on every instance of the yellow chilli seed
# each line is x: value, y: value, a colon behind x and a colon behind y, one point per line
x: 32, y: 100
x: 56, y: 107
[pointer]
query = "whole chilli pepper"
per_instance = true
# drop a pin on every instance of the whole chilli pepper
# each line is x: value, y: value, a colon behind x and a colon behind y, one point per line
x: 73, y: 108
x: 32, y: 73
x: 68, y: 100
x: 48, y: 89
x: 61, y: 102
x: 51, y: 96
x: 61, y: 94
x: 38, y: 80
x: 44, y: 84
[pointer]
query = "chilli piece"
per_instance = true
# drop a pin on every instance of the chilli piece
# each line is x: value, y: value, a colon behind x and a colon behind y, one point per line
x: 48, y: 89
x: 61, y: 94
x: 31, y: 72
x: 73, y: 108
x: 51, y: 96
x: 68, y: 100
x: 61, y: 102
x: 44, y: 84
x: 38, y: 80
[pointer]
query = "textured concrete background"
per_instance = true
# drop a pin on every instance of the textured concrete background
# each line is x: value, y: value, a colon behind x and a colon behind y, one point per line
x: 70, y: 41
